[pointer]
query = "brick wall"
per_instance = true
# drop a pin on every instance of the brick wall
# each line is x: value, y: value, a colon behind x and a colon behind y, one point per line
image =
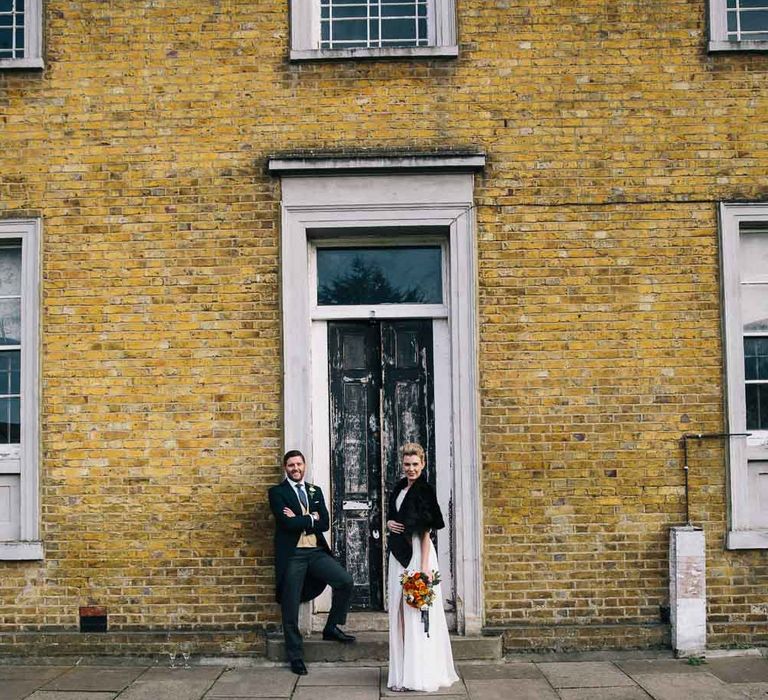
x: 610, y: 136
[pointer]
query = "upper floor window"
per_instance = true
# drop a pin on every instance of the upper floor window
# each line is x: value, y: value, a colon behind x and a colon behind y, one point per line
x: 346, y: 24
x: 21, y: 34
x: 738, y: 25
x: 323, y: 29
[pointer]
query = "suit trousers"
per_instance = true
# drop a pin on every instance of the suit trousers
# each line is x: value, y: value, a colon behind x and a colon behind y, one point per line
x: 319, y: 564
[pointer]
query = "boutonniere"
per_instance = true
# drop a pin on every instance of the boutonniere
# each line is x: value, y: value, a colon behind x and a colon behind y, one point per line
x: 311, y: 490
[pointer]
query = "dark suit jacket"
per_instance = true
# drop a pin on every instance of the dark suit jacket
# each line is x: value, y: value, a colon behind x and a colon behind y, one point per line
x: 288, y: 530
x: 419, y: 513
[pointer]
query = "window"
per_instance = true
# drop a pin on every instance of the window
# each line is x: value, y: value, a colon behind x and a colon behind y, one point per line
x: 21, y: 34
x: 744, y: 242
x: 738, y: 25
x: 379, y: 275
x: 19, y: 311
x: 323, y: 29
x: 372, y: 23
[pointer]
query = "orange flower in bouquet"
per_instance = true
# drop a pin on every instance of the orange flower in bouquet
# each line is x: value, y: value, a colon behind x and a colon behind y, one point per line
x: 419, y: 592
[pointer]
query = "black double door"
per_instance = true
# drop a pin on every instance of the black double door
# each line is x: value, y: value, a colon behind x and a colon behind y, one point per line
x: 381, y: 396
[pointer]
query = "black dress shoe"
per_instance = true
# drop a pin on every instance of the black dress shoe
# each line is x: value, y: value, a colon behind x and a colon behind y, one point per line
x: 298, y: 667
x: 334, y: 634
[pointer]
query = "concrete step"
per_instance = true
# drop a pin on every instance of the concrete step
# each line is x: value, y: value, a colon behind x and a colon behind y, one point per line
x: 374, y: 646
x: 356, y: 622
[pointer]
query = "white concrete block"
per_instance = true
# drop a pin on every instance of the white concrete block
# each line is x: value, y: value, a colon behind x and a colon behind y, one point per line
x: 687, y: 590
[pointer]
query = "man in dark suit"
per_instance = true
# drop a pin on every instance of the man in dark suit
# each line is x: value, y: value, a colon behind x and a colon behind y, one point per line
x: 304, y: 565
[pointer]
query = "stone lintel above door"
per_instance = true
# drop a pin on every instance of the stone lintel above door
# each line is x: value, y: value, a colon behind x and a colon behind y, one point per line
x: 319, y: 163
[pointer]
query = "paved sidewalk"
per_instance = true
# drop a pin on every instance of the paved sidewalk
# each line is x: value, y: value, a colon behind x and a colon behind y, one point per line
x: 734, y: 678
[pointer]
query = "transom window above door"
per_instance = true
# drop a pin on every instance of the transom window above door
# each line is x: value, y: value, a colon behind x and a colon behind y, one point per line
x: 379, y: 275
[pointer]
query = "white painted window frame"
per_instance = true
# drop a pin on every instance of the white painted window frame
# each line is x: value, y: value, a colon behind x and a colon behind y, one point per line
x: 741, y: 534
x: 718, y: 31
x: 386, y: 199
x: 33, y: 38
x: 305, y: 35
x: 28, y: 546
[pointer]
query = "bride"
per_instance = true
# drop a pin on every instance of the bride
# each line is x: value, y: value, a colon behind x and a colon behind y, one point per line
x: 416, y: 661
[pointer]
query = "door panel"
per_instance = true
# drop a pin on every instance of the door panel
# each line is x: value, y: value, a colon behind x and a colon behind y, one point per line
x: 381, y: 396
x: 355, y: 380
x: 408, y: 396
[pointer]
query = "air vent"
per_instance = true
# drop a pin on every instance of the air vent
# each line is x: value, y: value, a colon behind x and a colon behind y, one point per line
x: 93, y: 618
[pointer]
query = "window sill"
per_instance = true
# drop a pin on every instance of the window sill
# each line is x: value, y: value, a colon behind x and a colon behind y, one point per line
x: 21, y: 63
x: 721, y: 46
x: 21, y: 551
x: 347, y: 54
x: 747, y: 539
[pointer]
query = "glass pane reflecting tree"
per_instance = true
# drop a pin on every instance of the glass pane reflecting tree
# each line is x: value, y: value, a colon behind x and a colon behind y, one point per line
x: 397, y: 275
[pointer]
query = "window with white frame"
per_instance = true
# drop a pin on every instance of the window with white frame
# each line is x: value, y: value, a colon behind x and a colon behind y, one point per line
x: 382, y: 272
x: 744, y: 242
x: 324, y: 29
x: 19, y: 431
x: 21, y: 34
x: 738, y: 25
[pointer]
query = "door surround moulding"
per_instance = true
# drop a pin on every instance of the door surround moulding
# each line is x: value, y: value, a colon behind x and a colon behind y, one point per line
x: 368, y: 199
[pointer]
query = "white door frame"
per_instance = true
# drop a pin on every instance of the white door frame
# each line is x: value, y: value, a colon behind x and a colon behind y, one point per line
x: 350, y: 203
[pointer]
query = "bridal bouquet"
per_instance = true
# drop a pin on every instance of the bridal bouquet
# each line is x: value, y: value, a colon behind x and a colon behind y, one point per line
x: 419, y: 593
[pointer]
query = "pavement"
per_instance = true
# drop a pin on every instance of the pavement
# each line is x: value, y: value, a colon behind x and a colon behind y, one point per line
x: 623, y: 678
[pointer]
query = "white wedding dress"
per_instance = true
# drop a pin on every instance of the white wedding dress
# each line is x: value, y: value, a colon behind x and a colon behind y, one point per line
x: 417, y: 662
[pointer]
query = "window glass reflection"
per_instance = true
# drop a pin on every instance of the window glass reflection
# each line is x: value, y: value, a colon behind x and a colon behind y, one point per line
x: 10, y: 380
x: 400, y: 275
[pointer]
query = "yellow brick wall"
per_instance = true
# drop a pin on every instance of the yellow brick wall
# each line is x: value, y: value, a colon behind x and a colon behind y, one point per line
x: 610, y: 136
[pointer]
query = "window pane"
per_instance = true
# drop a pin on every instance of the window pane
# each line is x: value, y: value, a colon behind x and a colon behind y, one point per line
x: 11, y: 29
x: 754, y: 307
x: 754, y: 21
x: 755, y: 358
x: 10, y: 381
x: 401, y: 275
x: 398, y: 30
x: 358, y: 10
x: 14, y: 421
x: 10, y: 271
x: 747, y: 20
x: 349, y: 30
x: 757, y: 406
x: 10, y: 322
x: 753, y: 257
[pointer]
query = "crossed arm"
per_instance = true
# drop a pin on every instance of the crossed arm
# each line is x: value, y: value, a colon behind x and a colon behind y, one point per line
x: 290, y: 521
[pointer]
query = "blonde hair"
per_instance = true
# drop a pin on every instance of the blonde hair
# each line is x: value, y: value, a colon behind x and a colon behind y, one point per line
x: 411, y: 449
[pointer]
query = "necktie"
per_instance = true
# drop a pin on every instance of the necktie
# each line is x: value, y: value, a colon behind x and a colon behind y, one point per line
x: 302, y: 496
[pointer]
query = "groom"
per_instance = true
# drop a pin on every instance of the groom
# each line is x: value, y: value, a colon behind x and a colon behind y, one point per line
x: 303, y: 562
